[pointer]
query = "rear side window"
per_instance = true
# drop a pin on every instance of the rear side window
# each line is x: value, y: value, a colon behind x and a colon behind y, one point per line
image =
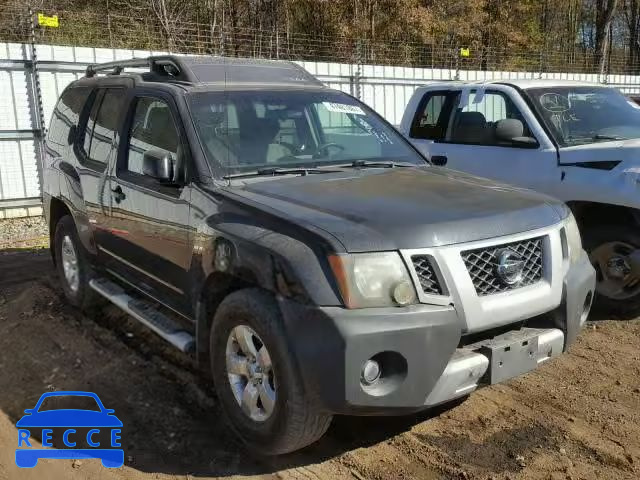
x: 66, y: 114
x: 102, y: 125
x: 430, y: 122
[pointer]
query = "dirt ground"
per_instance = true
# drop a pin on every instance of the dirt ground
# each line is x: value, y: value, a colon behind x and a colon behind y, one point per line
x: 576, y: 418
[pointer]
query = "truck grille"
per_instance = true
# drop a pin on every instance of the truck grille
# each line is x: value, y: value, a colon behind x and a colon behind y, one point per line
x: 482, y: 264
x: 426, y: 274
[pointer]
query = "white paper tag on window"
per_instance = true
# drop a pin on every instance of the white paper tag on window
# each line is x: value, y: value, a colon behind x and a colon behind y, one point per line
x: 343, y: 108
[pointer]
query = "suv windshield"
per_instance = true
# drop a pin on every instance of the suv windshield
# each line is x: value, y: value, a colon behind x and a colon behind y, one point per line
x: 581, y: 115
x: 245, y: 131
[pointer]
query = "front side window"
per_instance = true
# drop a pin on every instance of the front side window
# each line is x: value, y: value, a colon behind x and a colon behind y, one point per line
x: 153, y: 132
x: 582, y: 115
x: 248, y: 130
x: 489, y: 118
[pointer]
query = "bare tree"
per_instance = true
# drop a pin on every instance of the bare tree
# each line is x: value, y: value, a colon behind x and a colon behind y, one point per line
x: 605, y: 10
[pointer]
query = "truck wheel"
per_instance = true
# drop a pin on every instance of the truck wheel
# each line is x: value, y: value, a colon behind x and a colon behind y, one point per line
x: 256, y: 379
x: 73, y: 267
x: 610, y: 249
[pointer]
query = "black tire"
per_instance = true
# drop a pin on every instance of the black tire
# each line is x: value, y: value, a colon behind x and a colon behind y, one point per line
x: 599, y: 235
x: 296, y: 420
x: 83, y: 297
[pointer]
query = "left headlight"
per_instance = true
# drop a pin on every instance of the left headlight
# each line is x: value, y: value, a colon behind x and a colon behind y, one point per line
x: 574, y: 241
x: 373, y: 279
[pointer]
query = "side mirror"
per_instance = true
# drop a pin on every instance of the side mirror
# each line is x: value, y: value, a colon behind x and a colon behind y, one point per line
x: 158, y: 164
x: 29, y: 411
x: 511, y: 130
x: 109, y: 411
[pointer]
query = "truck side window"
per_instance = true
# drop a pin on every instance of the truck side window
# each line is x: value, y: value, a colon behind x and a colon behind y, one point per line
x: 66, y: 114
x: 152, y: 128
x: 476, y: 118
x: 101, y: 127
x: 430, y: 122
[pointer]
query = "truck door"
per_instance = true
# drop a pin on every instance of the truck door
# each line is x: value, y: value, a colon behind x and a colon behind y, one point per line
x: 475, y: 140
x: 149, y: 243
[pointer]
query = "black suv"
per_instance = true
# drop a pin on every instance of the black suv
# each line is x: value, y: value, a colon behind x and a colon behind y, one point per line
x: 291, y: 240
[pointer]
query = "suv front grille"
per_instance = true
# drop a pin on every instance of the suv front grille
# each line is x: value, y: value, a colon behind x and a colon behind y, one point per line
x: 426, y: 274
x: 482, y: 264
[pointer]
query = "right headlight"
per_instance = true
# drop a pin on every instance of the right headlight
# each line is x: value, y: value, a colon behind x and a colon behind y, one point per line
x: 373, y: 280
x: 574, y: 242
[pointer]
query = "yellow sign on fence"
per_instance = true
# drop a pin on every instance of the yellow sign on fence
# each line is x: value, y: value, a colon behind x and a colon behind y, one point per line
x: 45, y: 21
x: 464, y: 52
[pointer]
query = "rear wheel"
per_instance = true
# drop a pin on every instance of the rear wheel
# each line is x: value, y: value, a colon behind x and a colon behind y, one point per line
x: 614, y: 252
x: 255, y: 377
x: 73, y: 266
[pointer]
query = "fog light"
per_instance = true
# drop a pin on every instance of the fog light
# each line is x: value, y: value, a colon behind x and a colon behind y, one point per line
x: 404, y: 293
x: 370, y: 371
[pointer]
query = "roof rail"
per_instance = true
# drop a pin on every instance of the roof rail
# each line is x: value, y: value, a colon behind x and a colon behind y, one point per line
x: 167, y: 65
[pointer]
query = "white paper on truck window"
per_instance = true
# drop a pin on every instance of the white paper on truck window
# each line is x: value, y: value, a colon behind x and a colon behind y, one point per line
x: 343, y: 108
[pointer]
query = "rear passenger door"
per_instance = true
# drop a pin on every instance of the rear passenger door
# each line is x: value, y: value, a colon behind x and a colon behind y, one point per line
x: 94, y: 147
x: 149, y: 243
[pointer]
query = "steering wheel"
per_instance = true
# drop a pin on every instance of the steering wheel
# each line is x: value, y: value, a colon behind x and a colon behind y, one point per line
x: 325, y: 146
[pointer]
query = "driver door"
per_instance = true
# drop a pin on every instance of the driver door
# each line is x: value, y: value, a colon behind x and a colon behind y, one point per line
x: 150, y: 245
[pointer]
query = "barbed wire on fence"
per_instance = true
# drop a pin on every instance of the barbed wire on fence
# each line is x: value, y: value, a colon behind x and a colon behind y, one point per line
x: 136, y: 33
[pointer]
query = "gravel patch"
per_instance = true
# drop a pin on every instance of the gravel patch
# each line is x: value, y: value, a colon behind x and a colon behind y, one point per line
x: 21, y: 231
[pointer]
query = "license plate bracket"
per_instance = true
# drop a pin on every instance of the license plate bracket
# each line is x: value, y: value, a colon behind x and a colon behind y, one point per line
x: 511, y: 354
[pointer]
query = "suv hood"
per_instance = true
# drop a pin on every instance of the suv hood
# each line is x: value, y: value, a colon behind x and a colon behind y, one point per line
x: 404, y: 207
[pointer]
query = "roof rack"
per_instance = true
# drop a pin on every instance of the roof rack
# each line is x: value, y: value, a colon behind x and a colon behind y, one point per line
x: 168, y: 66
x: 213, y: 70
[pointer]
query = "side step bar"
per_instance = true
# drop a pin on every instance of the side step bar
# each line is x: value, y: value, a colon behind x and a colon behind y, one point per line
x: 146, y: 313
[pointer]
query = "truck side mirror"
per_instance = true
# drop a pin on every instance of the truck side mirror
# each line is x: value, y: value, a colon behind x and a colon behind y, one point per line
x: 158, y: 164
x: 511, y: 130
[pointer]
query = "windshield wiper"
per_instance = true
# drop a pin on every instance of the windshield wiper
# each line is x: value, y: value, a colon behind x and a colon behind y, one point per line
x: 273, y: 171
x: 608, y: 137
x: 379, y: 164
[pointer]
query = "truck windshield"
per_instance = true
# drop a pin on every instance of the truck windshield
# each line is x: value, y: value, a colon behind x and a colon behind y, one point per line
x: 244, y: 131
x: 582, y: 115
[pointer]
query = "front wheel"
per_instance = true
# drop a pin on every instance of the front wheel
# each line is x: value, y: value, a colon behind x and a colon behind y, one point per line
x: 257, y: 382
x: 614, y: 252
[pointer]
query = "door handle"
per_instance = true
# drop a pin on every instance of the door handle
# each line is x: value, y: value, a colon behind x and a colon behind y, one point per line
x: 439, y: 160
x: 118, y: 194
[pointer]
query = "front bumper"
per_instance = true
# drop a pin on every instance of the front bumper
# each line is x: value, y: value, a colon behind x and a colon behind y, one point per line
x: 429, y: 359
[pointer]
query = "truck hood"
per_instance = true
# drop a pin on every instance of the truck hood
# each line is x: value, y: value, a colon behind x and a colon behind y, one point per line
x: 401, y: 208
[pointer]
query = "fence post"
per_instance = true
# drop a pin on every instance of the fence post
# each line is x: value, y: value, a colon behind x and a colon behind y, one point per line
x: 36, y: 94
x: 357, y: 75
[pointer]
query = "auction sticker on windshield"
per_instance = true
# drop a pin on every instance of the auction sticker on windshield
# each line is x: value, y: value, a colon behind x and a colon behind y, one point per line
x: 343, y: 108
x: 89, y: 430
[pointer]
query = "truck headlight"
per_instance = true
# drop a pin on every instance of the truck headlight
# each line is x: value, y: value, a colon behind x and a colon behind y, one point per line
x: 373, y: 279
x: 574, y: 242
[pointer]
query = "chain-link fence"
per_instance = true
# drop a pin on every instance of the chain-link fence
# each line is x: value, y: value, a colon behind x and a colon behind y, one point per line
x: 124, y: 31
x: 37, y: 62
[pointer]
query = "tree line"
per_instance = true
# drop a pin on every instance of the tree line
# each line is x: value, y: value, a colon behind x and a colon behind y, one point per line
x: 589, y: 35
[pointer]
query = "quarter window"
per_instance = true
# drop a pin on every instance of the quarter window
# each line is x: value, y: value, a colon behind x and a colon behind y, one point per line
x: 66, y: 114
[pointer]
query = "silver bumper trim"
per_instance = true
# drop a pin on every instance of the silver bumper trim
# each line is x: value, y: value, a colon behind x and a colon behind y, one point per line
x: 465, y: 371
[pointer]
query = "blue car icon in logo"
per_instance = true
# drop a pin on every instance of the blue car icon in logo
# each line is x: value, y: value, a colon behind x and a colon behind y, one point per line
x: 100, y: 424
